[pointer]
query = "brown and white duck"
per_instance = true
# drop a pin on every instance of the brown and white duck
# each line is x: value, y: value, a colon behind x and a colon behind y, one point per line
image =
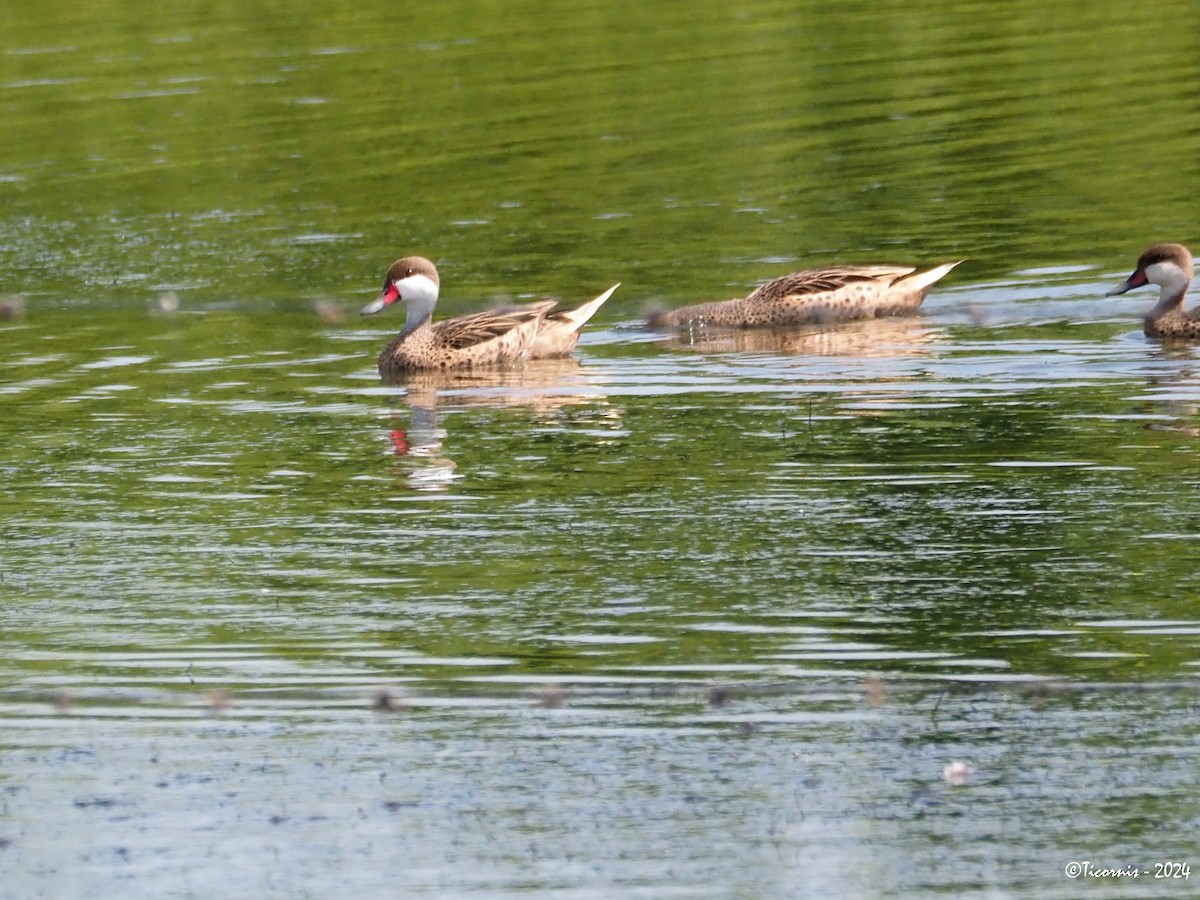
x: 495, y: 337
x: 814, y: 297
x: 1170, y: 267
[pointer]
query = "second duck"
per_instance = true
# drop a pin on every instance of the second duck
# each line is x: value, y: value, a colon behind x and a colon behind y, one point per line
x: 814, y: 297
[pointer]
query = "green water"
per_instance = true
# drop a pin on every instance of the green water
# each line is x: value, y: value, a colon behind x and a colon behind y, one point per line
x: 288, y: 152
x: 663, y: 619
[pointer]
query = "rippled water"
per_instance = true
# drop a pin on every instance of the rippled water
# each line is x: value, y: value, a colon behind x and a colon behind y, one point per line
x: 730, y: 608
x: 702, y: 617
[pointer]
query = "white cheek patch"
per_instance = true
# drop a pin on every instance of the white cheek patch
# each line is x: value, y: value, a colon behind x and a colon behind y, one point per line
x: 1160, y: 271
x: 1166, y: 273
x: 418, y: 288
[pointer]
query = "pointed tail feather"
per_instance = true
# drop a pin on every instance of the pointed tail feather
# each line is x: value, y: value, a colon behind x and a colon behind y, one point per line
x: 578, y: 317
x: 924, y: 280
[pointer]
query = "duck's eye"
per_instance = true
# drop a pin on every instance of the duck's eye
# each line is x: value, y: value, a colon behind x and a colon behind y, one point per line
x: 408, y: 273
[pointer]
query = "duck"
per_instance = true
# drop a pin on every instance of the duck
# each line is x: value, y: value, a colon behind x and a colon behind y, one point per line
x: 814, y: 297
x: 495, y: 337
x: 1170, y: 267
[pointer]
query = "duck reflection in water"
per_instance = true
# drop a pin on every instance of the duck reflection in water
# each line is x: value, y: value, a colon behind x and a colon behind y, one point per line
x: 546, y: 387
x: 878, y: 338
x: 420, y: 446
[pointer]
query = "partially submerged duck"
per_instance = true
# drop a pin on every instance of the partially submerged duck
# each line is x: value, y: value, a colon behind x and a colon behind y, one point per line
x: 814, y: 297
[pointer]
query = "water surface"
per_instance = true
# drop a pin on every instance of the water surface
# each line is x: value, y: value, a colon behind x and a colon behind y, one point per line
x: 674, y: 617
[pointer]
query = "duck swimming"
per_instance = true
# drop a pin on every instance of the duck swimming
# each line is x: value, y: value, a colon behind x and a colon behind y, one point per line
x: 814, y: 297
x: 495, y: 337
x: 1170, y: 267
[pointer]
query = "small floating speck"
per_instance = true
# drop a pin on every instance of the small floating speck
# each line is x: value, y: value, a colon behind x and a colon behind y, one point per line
x: 720, y: 695
x: 957, y: 773
x: 386, y: 700
x: 551, y: 696
x: 11, y: 308
x: 873, y: 691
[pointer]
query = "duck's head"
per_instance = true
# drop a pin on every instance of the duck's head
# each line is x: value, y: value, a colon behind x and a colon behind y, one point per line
x: 414, y: 280
x: 1167, y: 265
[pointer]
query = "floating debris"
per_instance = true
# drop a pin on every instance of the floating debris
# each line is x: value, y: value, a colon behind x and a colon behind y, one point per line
x: 957, y: 773
x: 720, y: 695
x: 551, y: 696
x: 386, y: 700
x: 11, y: 308
x: 873, y: 691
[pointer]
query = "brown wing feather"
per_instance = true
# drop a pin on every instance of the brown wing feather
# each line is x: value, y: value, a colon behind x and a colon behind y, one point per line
x: 833, y: 278
x: 476, y: 328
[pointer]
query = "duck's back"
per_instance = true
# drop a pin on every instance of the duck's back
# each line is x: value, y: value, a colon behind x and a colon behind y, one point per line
x: 814, y: 297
